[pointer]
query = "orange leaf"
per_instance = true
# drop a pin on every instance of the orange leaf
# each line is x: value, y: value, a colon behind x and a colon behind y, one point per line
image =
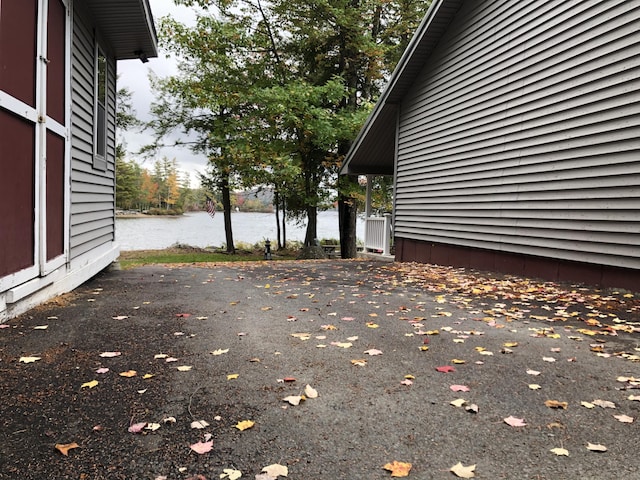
x: 130, y: 373
x: 64, y: 448
x: 398, y: 469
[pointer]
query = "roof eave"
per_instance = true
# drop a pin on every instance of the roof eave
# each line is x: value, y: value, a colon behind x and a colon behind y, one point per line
x: 127, y: 25
x: 369, y: 153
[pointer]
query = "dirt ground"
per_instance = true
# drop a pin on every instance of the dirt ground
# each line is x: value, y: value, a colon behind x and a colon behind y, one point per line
x: 384, y: 348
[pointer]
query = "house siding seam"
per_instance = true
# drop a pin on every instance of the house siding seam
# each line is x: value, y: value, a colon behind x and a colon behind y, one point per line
x: 521, y: 134
x: 92, y: 191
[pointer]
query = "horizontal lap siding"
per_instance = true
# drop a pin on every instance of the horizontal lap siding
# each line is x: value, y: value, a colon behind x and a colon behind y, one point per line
x: 522, y: 133
x: 93, y: 191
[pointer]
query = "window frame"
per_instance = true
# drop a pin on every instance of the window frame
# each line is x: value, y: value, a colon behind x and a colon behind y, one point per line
x: 100, y: 107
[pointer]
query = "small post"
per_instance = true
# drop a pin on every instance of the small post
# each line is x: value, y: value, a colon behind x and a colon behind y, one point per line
x: 267, y: 250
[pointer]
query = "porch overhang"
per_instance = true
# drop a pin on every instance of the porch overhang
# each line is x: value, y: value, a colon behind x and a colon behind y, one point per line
x: 127, y: 25
x: 374, y: 149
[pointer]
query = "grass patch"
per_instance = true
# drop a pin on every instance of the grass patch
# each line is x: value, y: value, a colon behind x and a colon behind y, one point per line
x: 136, y: 258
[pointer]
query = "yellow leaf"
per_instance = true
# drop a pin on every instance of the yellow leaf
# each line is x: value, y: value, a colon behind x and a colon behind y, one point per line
x: 245, y: 424
x: 510, y: 344
x: 596, y: 447
x: 398, y: 469
x: 147, y: 376
x: 359, y: 363
x: 372, y: 325
x: 129, y: 373
x: 424, y: 348
x: 409, y: 377
x: 90, y: 384
x: 587, y: 405
x: 458, y: 403
x: 276, y: 470
x: 233, y: 376
x: 556, y: 404
x: 29, y: 359
x: 560, y: 451
x: 310, y: 392
x: 64, y: 448
x: 463, y: 472
x: 457, y: 361
x: 219, y: 351
x: 184, y: 368
x: 534, y: 386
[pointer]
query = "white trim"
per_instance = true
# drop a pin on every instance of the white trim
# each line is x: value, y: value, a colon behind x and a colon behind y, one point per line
x: 95, y: 262
x: 40, y: 193
x: 17, y: 107
x: 100, y: 162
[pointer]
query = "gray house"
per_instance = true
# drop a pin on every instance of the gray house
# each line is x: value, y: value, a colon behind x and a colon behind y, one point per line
x: 512, y: 130
x: 57, y: 140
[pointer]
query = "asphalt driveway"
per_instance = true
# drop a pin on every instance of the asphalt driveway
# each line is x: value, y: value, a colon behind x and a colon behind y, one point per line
x: 322, y: 370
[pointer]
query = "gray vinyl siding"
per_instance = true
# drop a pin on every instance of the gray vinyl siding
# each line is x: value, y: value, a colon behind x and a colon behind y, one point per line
x: 92, y: 190
x: 522, y: 133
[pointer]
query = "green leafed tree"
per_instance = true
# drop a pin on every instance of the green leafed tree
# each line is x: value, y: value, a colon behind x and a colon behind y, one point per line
x: 275, y: 91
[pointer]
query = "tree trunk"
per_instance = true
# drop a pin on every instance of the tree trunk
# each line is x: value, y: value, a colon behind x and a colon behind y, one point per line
x: 347, y: 216
x: 226, y: 205
x: 311, y: 236
x: 276, y: 201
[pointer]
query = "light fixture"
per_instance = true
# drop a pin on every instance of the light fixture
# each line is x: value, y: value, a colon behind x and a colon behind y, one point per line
x: 141, y: 55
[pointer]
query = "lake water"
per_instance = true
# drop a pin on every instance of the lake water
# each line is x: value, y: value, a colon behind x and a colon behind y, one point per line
x: 198, y: 229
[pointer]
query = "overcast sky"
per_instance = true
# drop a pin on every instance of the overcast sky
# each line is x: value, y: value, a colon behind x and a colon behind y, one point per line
x: 134, y: 75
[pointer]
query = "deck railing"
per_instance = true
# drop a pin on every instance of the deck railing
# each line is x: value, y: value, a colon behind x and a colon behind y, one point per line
x: 377, y: 234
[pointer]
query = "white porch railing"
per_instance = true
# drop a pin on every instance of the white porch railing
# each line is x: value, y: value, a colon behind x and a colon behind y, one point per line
x: 377, y: 234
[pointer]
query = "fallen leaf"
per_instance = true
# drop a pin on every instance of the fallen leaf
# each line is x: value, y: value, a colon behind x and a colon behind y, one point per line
x: 359, y: 363
x: 64, y: 448
x: 160, y: 355
x: 90, y: 384
x: 199, y: 424
x: 407, y: 382
x: 510, y: 344
x: 372, y: 325
x: 152, y: 426
x: 596, y: 447
x: 110, y: 354
x: 459, y: 388
x: 293, y: 399
x: 457, y: 361
x: 120, y: 317
x: 233, y: 376
x: 29, y: 359
x: 301, y: 336
x: 463, y: 472
x: 515, y: 422
x: 220, y: 351
x: 137, y: 427
x: 535, y: 373
x: 634, y: 398
x: 556, y: 404
x: 398, y: 469
x: 102, y: 370
x: 41, y: 327
x: 458, y: 402
x: 128, y: 373
x: 534, y: 386
x: 604, y: 403
x: 147, y: 376
x: 624, y: 418
x: 276, y: 470
x: 184, y: 368
x: 445, y: 369
x: 548, y: 359
x: 202, y: 447
x: 587, y: 405
x: 473, y: 408
x: 231, y: 474
x: 310, y: 392
x: 169, y: 420
x: 373, y: 351
x: 560, y: 451
x: 244, y: 425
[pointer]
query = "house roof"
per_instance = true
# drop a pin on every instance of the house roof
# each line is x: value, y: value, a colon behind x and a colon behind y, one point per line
x: 127, y: 25
x: 373, y: 150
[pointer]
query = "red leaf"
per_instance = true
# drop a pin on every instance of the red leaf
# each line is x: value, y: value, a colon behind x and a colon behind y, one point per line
x: 446, y: 369
x: 184, y: 315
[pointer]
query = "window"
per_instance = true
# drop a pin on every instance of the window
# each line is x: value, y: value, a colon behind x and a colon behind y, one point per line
x: 100, y: 112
